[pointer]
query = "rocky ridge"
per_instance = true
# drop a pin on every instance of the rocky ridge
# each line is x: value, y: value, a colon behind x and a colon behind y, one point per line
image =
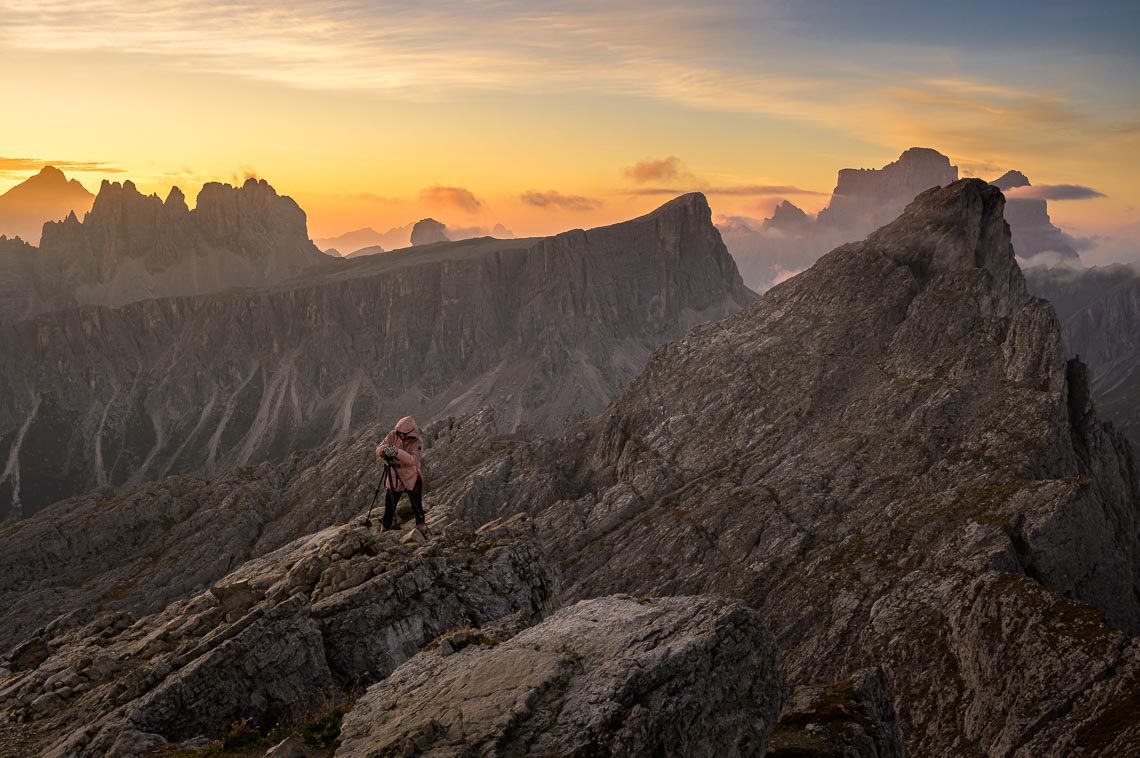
x: 544, y: 331
x: 889, y: 454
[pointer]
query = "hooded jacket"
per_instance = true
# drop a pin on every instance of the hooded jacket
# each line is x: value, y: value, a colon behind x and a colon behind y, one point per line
x: 409, y: 453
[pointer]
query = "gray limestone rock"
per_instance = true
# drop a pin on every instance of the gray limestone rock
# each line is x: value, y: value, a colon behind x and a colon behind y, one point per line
x: 544, y: 331
x: 892, y: 457
x: 615, y: 676
x: 275, y: 640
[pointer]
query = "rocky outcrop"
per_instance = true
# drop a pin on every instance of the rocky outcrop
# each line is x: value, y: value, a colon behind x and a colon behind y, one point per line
x: 131, y: 247
x: 428, y: 231
x: 47, y: 196
x: 544, y: 331
x: 853, y: 718
x: 611, y: 676
x: 891, y: 456
x: 270, y: 643
x: 1099, y: 310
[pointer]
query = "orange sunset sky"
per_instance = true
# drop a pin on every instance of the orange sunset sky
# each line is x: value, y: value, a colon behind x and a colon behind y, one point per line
x: 544, y: 116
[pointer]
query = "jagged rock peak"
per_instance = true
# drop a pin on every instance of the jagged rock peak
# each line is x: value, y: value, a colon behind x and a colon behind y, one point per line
x: 52, y: 173
x: 428, y: 231
x: 690, y: 206
x: 176, y: 200
x: 1011, y: 179
x: 959, y: 227
x: 786, y: 216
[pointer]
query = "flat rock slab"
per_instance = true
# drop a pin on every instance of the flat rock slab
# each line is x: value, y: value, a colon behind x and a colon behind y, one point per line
x: 689, y: 676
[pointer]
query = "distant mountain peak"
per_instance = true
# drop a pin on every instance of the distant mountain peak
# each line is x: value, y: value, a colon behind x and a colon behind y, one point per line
x: 1010, y: 180
x: 42, y: 197
x: 428, y: 231
x: 786, y: 217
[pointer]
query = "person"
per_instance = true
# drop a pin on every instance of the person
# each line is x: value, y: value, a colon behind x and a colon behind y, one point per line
x: 403, y: 450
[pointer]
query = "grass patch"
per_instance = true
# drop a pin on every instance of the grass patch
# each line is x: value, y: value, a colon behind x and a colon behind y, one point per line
x: 241, y: 738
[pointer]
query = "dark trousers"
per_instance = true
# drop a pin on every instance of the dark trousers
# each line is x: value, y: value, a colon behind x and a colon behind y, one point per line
x: 415, y: 494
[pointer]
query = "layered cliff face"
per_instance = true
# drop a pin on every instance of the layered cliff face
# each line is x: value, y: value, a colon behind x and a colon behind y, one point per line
x: 545, y: 331
x: 132, y: 247
x: 1099, y: 310
x: 890, y: 454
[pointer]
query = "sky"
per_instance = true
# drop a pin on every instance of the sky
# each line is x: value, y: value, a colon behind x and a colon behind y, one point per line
x: 545, y: 116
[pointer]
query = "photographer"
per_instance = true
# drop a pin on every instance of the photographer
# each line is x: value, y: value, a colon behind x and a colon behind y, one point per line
x: 403, y: 450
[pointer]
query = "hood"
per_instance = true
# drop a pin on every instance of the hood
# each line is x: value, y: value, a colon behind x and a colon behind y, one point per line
x: 407, y: 425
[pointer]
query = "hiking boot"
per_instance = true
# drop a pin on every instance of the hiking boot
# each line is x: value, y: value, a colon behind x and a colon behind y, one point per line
x: 423, y: 529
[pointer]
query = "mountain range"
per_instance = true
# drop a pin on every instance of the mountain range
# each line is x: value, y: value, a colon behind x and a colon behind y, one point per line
x: 132, y: 247
x: 545, y: 331
x: 368, y: 241
x: 874, y: 512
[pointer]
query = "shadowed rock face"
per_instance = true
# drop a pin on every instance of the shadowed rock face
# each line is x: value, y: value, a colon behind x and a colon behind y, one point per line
x: 854, y: 718
x: 1099, y: 310
x: 658, y: 676
x: 131, y: 247
x: 889, y: 454
x: 545, y: 331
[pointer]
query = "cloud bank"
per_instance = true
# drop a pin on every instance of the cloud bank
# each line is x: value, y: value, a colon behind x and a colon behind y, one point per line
x: 1056, y: 192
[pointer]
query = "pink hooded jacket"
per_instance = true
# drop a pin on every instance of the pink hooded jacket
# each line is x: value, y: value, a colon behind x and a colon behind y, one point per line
x: 409, y: 452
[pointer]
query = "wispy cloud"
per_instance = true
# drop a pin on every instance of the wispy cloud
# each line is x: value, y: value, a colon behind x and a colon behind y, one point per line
x: 1056, y: 192
x: 20, y: 166
x: 453, y: 197
x: 554, y: 200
